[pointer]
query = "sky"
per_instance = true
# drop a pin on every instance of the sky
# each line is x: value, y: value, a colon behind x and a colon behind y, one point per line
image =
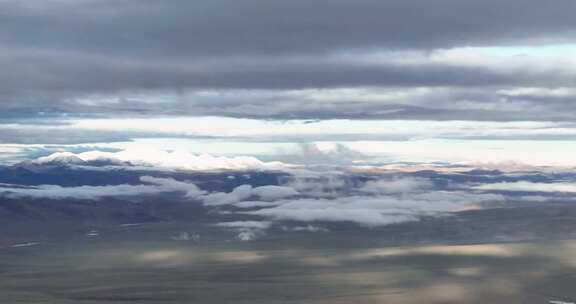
x: 365, y: 81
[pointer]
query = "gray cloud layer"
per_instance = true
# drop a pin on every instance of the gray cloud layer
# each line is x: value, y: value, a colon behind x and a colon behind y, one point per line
x: 57, y: 52
x: 181, y: 28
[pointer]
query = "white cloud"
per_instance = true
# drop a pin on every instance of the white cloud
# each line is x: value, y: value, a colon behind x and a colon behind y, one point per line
x: 530, y: 187
x: 253, y: 128
x: 272, y: 193
x: 256, y: 204
x: 243, y: 192
x: 169, y: 184
x: 546, y: 92
x: 417, y: 140
x: 220, y: 198
x: 321, y: 154
x: 82, y: 192
x: 317, y: 183
x: 246, y: 236
x: 363, y: 216
x: 502, y: 59
x: 373, y: 211
x: 307, y: 228
x: 245, y: 225
x: 247, y: 230
x: 399, y: 185
x: 154, y: 186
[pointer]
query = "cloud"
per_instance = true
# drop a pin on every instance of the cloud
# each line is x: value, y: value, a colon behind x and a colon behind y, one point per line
x: 241, y: 225
x: 190, y: 190
x: 507, y: 166
x: 525, y: 186
x: 318, y: 183
x: 397, y: 186
x: 43, y: 134
x: 256, y: 204
x: 363, y: 216
x: 165, y: 68
x: 82, y: 192
x: 311, y: 153
x: 437, y: 91
x: 64, y: 131
x: 373, y: 211
x: 247, y: 230
x: 272, y: 193
x: 152, y: 186
x: 330, y: 197
x: 250, y: 235
x: 244, y: 192
x: 307, y: 228
x: 326, y: 141
x: 295, y: 27
x: 221, y: 198
x: 298, y: 26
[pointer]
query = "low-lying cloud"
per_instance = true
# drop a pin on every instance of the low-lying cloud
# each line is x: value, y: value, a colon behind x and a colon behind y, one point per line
x: 397, y: 186
x: 526, y: 186
x: 372, y: 211
x: 244, y: 192
x: 381, y: 201
x: 152, y: 186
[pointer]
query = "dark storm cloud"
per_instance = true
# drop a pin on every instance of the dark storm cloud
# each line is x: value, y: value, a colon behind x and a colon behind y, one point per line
x: 204, y: 28
x: 61, y: 133
x: 439, y: 103
x: 57, y: 51
x: 77, y: 74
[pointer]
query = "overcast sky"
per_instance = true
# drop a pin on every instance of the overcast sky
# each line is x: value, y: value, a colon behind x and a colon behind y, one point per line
x: 267, y: 74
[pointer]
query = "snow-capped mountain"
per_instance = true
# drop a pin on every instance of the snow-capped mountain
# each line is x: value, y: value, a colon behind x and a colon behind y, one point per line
x: 157, y: 159
x: 60, y: 158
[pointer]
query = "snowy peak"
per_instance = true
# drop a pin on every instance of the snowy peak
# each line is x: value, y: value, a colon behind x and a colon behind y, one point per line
x: 158, y: 159
x: 60, y: 158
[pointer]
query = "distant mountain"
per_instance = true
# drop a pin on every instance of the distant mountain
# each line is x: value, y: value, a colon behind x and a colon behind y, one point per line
x: 157, y: 160
x: 60, y: 158
x: 71, y: 159
x: 69, y: 170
